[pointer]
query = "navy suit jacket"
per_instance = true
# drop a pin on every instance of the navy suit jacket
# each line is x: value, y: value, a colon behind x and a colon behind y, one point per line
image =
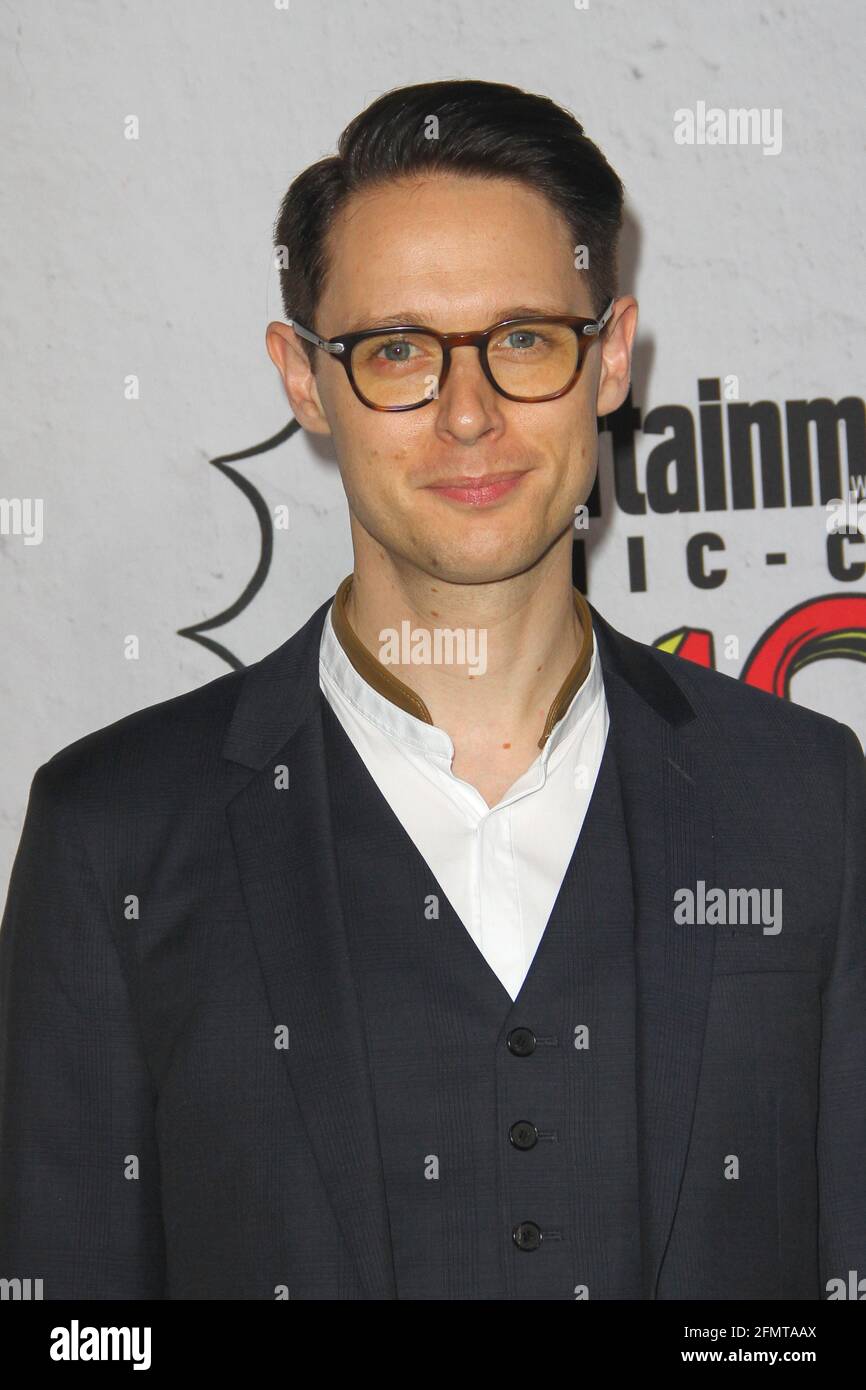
x: 168, y: 914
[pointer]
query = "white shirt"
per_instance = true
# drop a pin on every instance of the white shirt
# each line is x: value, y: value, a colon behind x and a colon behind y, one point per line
x: 501, y: 867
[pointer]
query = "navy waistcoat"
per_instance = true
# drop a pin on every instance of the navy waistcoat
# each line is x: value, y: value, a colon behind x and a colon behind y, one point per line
x: 507, y: 1129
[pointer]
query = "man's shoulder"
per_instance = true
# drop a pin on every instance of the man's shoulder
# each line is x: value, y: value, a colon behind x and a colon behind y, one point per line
x: 791, y: 773
x: 186, y: 734
x: 728, y: 708
x: 177, y: 733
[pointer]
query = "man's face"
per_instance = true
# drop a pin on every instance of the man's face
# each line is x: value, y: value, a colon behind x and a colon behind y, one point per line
x: 457, y: 254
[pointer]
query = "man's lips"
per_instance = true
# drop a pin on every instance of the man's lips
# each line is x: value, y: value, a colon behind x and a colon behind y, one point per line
x: 478, y: 491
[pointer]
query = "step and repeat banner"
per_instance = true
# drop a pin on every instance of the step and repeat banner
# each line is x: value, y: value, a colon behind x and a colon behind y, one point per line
x: 162, y: 518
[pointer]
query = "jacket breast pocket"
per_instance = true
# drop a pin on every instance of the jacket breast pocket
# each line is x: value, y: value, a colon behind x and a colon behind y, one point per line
x: 744, y: 949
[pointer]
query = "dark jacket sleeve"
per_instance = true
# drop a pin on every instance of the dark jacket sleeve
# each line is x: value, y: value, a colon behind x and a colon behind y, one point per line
x: 842, y: 1099
x: 79, y: 1178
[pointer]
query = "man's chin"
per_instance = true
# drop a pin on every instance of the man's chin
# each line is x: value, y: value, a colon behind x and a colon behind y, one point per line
x: 472, y: 568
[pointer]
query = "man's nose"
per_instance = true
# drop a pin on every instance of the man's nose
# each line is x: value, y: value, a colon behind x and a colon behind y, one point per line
x: 468, y: 404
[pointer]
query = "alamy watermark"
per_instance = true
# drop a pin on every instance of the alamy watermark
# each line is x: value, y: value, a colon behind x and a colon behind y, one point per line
x: 439, y: 646
x: 22, y: 516
x: 847, y: 514
x: 712, y: 125
x: 719, y: 907
x: 77, y: 1343
x: 851, y: 1288
x: 20, y: 1290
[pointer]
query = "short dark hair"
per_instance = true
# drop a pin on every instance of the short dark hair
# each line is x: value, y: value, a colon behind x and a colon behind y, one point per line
x: 487, y: 129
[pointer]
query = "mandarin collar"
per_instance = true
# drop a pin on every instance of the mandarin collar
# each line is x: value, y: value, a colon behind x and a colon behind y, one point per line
x: 375, y: 674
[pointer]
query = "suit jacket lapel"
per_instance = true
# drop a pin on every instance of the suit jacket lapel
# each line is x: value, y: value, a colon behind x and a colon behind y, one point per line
x: 283, y: 844
x: 669, y: 826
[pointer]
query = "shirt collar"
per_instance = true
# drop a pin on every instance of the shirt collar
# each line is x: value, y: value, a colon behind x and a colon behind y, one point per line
x: 357, y: 672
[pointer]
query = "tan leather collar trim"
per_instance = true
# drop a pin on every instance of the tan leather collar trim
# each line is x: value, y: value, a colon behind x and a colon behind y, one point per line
x: 386, y: 683
x: 369, y: 666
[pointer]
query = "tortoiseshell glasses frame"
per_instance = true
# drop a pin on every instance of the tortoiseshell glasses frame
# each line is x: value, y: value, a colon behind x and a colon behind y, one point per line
x: 342, y: 347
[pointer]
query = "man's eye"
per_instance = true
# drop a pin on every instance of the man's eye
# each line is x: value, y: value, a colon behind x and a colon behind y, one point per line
x: 521, y: 338
x: 397, y: 351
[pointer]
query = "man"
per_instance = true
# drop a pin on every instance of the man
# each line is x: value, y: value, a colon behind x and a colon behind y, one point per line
x: 462, y: 947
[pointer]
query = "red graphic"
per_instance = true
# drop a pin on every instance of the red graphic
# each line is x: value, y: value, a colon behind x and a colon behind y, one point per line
x: 832, y: 626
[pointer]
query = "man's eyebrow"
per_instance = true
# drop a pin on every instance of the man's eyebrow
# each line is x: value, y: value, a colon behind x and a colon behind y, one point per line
x: 411, y: 316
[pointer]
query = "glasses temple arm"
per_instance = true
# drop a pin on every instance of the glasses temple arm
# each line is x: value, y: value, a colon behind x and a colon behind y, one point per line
x: 594, y: 328
x: 314, y: 337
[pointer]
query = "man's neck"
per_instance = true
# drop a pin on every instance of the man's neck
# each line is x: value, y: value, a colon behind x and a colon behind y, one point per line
x: 519, y: 637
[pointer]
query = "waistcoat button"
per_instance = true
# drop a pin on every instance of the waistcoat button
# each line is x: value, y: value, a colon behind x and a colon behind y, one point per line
x: 523, y: 1134
x: 521, y: 1042
x: 526, y: 1235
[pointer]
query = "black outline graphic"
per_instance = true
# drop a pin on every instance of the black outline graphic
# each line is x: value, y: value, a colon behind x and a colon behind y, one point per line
x: 260, y: 507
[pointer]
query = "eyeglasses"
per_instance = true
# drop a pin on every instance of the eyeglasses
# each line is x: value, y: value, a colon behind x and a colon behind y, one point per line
x: 525, y: 359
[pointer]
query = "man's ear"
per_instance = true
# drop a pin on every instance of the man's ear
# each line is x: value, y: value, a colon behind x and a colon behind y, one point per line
x: 291, y: 361
x: 616, y: 347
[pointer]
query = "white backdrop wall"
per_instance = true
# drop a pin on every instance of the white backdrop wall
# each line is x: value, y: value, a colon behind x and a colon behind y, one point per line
x: 151, y: 258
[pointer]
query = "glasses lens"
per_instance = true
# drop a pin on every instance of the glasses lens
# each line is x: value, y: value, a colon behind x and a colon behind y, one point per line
x: 397, y: 368
x: 533, y: 359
